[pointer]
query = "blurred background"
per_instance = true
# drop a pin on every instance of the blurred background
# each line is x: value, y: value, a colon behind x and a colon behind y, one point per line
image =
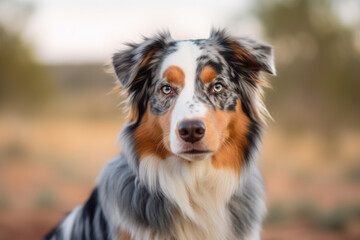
x: 58, y: 127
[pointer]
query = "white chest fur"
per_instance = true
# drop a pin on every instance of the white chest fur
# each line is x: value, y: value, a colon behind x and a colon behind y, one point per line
x: 199, y: 191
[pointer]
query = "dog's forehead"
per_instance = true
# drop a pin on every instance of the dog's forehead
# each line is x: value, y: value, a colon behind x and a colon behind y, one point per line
x: 185, y: 55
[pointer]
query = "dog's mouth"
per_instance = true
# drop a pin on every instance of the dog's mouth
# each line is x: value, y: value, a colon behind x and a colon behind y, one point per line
x: 195, y: 154
x: 195, y: 151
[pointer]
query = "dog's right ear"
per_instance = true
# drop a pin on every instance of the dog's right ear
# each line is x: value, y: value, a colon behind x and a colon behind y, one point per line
x: 130, y: 63
x: 135, y: 68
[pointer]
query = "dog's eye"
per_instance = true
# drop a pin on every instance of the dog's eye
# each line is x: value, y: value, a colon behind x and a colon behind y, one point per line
x: 218, y: 88
x: 167, y: 90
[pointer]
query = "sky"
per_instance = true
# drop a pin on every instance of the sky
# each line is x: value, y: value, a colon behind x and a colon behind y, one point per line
x: 91, y: 31
x: 77, y: 31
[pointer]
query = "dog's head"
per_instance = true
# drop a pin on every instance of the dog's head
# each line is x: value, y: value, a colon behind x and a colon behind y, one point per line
x: 197, y: 99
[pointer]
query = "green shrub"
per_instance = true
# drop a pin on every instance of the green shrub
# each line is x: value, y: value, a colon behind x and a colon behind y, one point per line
x: 352, y: 174
x: 4, y: 201
x: 276, y: 213
x: 305, y: 210
x: 46, y: 198
x: 336, y: 219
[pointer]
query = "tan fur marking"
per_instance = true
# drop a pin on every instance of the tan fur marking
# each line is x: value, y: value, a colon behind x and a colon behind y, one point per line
x: 216, y: 128
x: 165, y: 122
x: 124, y: 236
x: 149, y: 136
x: 207, y: 74
x: 147, y: 58
x: 175, y: 75
x: 133, y: 114
x: 152, y: 135
x: 233, y: 127
x: 240, y: 52
x: 245, y: 59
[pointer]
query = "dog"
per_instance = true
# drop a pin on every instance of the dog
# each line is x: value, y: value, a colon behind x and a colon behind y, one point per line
x: 188, y: 167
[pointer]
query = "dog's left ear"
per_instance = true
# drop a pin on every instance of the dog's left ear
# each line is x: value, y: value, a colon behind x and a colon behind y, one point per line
x: 249, y: 54
x: 257, y: 56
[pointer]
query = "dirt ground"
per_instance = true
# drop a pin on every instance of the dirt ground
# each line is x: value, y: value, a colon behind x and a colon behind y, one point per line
x: 49, y: 165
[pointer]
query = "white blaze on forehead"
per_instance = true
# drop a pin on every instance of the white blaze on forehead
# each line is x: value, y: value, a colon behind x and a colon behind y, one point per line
x: 187, y: 106
x: 184, y: 57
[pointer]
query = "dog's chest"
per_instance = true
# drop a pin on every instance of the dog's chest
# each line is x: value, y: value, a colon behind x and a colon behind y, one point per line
x: 199, y: 192
x: 206, y: 217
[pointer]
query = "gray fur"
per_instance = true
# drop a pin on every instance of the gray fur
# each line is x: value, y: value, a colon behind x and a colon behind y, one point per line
x: 158, y: 102
x: 124, y: 197
x: 247, y: 204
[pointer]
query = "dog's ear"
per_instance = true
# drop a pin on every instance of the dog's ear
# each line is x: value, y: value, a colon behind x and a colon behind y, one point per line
x: 246, y: 58
x: 135, y: 68
x: 246, y: 53
x: 133, y: 61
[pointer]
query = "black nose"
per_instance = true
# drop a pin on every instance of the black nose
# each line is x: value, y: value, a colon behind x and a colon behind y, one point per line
x: 191, y: 131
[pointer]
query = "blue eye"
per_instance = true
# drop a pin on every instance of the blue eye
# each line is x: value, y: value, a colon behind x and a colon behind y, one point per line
x: 218, y: 88
x: 167, y: 90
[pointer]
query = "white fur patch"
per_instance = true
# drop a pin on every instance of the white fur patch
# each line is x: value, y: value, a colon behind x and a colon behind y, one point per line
x: 68, y: 223
x: 185, y: 58
x: 200, y: 192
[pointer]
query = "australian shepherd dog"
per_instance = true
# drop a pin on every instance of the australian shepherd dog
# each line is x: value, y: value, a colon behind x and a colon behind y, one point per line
x: 188, y: 168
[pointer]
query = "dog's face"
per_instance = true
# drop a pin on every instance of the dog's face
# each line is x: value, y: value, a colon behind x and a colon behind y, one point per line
x: 197, y: 99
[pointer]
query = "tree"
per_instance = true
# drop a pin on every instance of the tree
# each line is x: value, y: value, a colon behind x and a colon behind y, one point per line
x: 317, y: 61
x: 23, y: 81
